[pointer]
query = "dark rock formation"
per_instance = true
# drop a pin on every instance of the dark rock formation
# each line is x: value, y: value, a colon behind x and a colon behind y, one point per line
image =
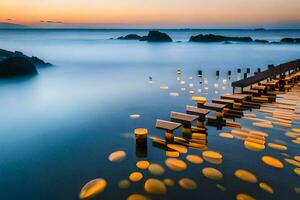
x: 218, y: 38
x: 290, y: 40
x: 17, y: 66
x: 35, y: 60
x: 261, y: 41
x: 130, y: 37
x: 156, y: 36
x: 153, y: 36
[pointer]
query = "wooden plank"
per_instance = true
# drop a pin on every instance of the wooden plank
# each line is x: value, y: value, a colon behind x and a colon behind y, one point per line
x: 258, y: 87
x: 167, y: 125
x: 196, y: 110
x: 223, y: 101
x: 182, y: 117
x: 213, y: 106
x: 238, y: 97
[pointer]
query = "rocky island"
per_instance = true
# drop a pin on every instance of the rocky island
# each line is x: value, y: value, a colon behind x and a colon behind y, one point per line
x: 290, y: 40
x: 16, y: 64
x: 153, y: 36
x: 218, y: 38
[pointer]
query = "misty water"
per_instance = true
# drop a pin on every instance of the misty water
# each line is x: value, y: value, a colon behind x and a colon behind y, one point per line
x: 58, y: 128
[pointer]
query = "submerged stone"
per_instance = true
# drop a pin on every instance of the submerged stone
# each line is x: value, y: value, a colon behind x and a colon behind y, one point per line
x: 212, y: 173
x: 124, y: 184
x: 273, y: 162
x: 143, y: 164
x: 212, y: 154
x: 187, y: 183
x: 195, y: 159
x: 277, y: 146
x: 93, y: 188
x: 155, y: 186
x: 266, y: 187
x: 117, y: 156
x: 168, y: 182
x: 245, y: 175
x: 135, y: 176
x: 179, y: 148
x: 156, y: 169
x: 137, y: 197
x: 175, y: 164
x: 292, y: 162
x: 243, y: 196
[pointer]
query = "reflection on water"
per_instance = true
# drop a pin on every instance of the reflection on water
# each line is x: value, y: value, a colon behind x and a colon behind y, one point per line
x: 71, y: 117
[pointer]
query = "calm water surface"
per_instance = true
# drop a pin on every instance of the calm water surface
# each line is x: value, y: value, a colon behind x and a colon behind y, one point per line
x: 58, y: 128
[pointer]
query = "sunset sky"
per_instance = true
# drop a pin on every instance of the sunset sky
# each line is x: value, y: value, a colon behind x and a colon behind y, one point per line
x: 152, y: 13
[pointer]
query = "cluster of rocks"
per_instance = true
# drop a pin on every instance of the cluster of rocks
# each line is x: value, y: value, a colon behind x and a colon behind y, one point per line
x: 16, y: 64
x: 157, y: 36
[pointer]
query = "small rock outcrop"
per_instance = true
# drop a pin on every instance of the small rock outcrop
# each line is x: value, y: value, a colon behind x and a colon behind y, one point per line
x: 156, y: 36
x: 218, y: 38
x: 35, y: 60
x: 261, y: 41
x: 130, y: 37
x: 290, y: 40
x: 17, y: 66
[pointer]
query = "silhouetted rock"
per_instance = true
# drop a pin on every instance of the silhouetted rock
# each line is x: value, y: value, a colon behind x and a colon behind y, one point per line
x: 261, y: 41
x: 16, y: 66
x: 35, y: 60
x: 156, y: 36
x: 259, y: 29
x: 130, y: 37
x: 290, y: 40
x: 218, y: 38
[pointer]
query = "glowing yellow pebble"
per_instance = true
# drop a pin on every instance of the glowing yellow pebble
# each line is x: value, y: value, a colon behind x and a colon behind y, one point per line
x: 174, y: 94
x: 297, y: 171
x: 156, y: 169
x: 117, y: 156
x: 245, y: 176
x: 92, y: 188
x: 143, y: 164
x: 164, y: 87
x: 124, y: 184
x: 135, y: 176
x: 253, y: 146
x: 187, y: 184
x: 266, y: 187
x: 199, y: 99
x: 226, y: 135
x: 180, y: 149
x: 292, y: 162
x: 155, y: 186
x: 297, y: 158
x: 212, y: 173
x: 277, y: 146
x: 194, y: 159
x: 175, y: 164
x: 244, y: 197
x: 137, y: 197
x: 212, y: 154
x: 221, y: 187
x: 135, y: 116
x: 273, y: 162
x: 262, y: 125
x: 173, y: 154
x: 168, y: 182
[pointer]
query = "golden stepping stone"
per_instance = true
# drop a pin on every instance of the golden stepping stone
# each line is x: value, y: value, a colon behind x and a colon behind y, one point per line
x: 212, y: 173
x: 245, y: 175
x: 195, y: 159
x: 277, y: 146
x: 175, y: 164
x: 117, y: 156
x: 172, y: 154
x: 297, y: 171
x: 262, y: 125
x: 155, y: 186
x: 292, y: 135
x: 137, y: 197
x: 124, y: 184
x: 156, y: 169
x: 221, y: 187
x: 242, y: 196
x: 297, y: 141
x: 92, y: 188
x: 258, y: 133
x: 135, y: 176
x: 187, y: 184
x: 266, y: 187
x: 297, y: 158
x: 253, y: 146
x: 297, y: 130
x: 273, y: 162
x: 143, y: 164
x: 212, y: 154
x: 168, y: 182
x: 226, y: 135
x: 176, y: 147
x: 292, y: 162
x: 213, y: 160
